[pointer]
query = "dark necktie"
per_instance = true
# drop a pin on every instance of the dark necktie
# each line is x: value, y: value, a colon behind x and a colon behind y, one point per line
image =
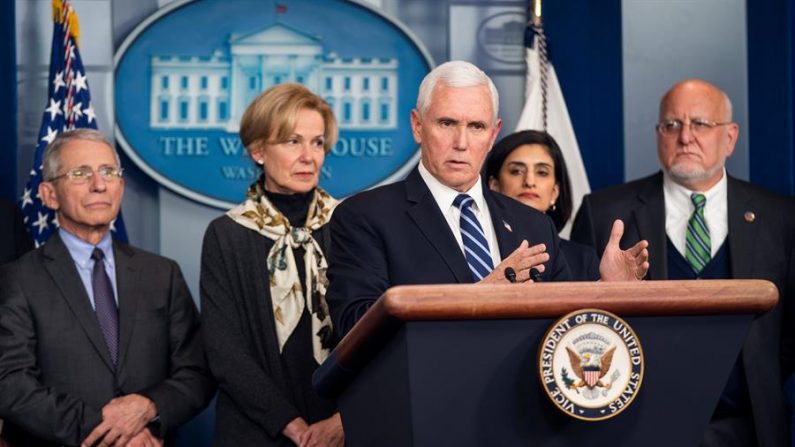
x: 105, y: 305
x: 699, y: 246
x: 476, y: 247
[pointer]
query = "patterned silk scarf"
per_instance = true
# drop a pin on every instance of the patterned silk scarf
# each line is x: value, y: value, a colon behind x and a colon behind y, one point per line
x: 258, y: 213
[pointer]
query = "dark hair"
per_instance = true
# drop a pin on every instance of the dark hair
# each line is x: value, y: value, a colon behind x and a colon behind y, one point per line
x: 563, y: 206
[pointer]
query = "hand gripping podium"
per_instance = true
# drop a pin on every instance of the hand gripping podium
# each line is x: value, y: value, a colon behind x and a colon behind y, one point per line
x: 457, y: 365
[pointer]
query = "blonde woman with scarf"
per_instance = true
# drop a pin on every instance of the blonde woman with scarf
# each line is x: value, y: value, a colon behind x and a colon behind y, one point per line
x: 265, y: 320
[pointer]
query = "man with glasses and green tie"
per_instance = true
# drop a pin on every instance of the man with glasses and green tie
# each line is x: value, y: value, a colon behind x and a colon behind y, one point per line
x: 702, y: 223
x: 99, y: 341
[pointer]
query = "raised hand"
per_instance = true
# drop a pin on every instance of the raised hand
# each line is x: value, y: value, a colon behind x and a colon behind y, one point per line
x: 631, y: 264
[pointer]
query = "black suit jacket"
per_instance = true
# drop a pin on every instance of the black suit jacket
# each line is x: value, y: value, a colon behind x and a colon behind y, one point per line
x: 582, y: 259
x: 762, y: 248
x: 55, y: 369
x: 14, y: 239
x: 396, y: 235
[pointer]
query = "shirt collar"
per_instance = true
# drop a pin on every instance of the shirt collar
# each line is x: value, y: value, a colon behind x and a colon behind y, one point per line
x: 681, y: 195
x: 81, y: 250
x: 445, y: 195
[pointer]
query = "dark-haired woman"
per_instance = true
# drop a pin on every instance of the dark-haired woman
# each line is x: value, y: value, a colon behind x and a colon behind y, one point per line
x: 528, y: 166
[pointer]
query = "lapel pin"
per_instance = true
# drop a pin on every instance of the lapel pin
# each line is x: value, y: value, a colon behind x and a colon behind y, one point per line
x: 507, y: 226
x: 749, y: 216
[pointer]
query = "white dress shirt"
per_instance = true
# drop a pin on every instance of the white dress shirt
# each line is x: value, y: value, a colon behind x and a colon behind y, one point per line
x: 444, y: 196
x: 679, y: 207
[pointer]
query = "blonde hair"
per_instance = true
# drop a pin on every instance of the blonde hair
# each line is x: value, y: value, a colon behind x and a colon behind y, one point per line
x: 272, y: 116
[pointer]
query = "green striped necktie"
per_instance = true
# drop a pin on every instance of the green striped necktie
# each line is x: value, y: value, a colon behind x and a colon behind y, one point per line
x: 699, y: 246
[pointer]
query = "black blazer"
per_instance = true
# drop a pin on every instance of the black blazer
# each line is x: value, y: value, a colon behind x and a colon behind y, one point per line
x: 396, y: 235
x: 14, y: 238
x: 582, y: 259
x: 240, y: 338
x: 55, y: 368
x: 762, y: 247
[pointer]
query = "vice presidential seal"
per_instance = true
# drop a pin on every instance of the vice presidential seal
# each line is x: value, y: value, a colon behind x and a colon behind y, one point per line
x: 591, y: 364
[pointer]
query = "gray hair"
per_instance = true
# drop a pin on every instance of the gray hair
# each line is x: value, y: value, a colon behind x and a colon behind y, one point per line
x: 51, y: 160
x: 456, y: 74
x: 727, y: 102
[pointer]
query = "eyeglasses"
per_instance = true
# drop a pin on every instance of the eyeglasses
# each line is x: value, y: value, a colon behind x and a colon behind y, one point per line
x: 83, y: 174
x: 698, y: 127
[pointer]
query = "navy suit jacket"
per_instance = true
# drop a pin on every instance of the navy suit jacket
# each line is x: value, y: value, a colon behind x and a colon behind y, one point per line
x: 397, y: 235
x: 582, y: 259
x: 760, y: 248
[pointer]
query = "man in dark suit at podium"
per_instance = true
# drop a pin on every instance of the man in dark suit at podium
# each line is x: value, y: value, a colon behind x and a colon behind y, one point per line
x: 442, y: 224
x: 702, y: 223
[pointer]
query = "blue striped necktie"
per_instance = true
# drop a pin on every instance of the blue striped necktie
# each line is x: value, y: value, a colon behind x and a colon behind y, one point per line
x: 699, y: 246
x: 476, y: 247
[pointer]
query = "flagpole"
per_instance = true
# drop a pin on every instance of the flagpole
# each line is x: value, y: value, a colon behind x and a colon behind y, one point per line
x: 68, y: 72
x: 545, y: 108
x: 536, y: 24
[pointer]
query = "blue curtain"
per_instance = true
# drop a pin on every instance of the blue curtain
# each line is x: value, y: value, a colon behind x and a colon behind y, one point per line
x: 8, y: 100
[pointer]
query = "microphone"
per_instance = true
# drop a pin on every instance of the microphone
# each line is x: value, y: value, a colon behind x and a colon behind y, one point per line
x: 510, y: 274
x: 535, y: 275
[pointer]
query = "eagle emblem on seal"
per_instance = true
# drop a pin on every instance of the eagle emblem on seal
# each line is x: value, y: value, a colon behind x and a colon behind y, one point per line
x: 590, y: 364
x: 590, y: 368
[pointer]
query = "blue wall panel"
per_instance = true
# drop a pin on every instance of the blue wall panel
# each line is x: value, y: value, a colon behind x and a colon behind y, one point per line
x: 770, y: 93
x: 585, y: 47
x: 8, y: 101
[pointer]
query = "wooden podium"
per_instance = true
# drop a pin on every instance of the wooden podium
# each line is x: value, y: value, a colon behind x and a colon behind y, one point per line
x: 457, y: 364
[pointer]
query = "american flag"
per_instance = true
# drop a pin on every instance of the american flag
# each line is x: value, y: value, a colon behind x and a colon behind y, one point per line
x: 68, y: 107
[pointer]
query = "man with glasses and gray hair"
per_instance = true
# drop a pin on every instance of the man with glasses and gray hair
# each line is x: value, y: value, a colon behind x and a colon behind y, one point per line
x: 701, y: 223
x: 99, y: 341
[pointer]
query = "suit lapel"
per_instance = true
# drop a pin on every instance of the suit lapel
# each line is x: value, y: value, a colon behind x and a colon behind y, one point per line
x: 425, y: 212
x: 127, y: 281
x: 742, y: 233
x: 507, y: 239
x: 61, y: 268
x: 649, y: 218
